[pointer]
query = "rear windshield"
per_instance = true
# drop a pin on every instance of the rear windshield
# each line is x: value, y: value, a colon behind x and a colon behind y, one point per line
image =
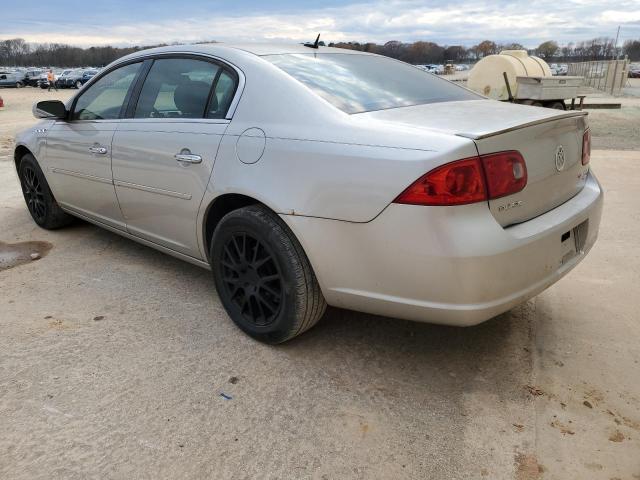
x: 363, y: 83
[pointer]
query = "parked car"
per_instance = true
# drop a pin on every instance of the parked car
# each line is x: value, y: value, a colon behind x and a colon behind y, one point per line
x: 61, y: 80
x: 378, y: 188
x: 31, y: 77
x: 11, y: 78
x: 557, y: 69
x: 634, y: 71
x: 422, y: 67
x: 77, y: 78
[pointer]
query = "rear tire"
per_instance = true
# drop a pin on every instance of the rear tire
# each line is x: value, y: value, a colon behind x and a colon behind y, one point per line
x: 263, y: 277
x: 42, y: 206
x: 556, y: 105
x: 78, y: 85
x: 19, y: 85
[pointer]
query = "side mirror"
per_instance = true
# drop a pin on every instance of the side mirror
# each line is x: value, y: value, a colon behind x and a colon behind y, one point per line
x: 52, y: 109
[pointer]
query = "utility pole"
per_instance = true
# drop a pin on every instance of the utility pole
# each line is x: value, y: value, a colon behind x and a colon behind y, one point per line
x: 615, y: 45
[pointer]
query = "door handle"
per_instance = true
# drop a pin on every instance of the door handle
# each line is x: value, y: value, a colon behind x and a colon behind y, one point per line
x: 98, y: 150
x: 188, y: 157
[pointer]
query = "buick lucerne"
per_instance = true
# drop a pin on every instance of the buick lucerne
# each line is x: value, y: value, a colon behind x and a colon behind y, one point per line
x: 306, y: 177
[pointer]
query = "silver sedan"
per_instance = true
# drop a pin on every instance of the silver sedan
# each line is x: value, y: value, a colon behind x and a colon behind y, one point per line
x: 307, y: 176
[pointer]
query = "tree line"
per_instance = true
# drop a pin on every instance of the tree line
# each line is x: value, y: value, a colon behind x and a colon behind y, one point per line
x: 18, y: 52
x: 422, y: 52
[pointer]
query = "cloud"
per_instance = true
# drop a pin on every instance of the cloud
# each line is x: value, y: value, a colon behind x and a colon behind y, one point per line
x: 466, y: 22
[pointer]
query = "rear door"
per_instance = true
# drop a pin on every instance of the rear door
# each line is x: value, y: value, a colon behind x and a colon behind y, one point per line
x: 78, y: 150
x: 163, y: 154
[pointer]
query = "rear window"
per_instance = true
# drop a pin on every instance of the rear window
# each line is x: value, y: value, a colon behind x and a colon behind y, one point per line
x: 363, y: 83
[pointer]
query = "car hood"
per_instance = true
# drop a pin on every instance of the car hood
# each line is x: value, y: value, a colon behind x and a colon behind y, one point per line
x: 473, y: 119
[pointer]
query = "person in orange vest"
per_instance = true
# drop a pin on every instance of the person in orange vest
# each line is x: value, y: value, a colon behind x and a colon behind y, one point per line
x: 52, y: 80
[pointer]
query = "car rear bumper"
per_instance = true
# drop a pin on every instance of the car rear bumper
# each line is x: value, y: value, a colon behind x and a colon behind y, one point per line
x: 449, y: 265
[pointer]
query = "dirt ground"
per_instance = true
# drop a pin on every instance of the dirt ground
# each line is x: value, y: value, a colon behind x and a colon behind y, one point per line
x: 117, y: 361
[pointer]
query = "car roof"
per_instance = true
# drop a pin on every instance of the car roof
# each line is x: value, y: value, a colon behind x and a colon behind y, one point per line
x: 259, y: 49
x: 284, y: 48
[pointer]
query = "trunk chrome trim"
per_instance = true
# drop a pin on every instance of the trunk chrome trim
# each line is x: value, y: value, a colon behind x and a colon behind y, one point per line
x: 475, y: 136
x: 82, y: 175
x: 159, y: 191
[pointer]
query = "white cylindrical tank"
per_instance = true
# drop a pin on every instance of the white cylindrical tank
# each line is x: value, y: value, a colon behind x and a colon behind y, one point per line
x: 487, y: 79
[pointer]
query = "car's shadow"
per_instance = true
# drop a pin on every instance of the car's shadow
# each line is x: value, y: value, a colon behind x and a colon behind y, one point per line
x: 495, y: 351
x: 353, y: 346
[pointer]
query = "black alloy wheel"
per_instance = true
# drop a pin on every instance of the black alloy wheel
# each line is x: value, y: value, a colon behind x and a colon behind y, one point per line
x: 263, y: 276
x: 33, y: 194
x: 42, y: 205
x: 252, y: 279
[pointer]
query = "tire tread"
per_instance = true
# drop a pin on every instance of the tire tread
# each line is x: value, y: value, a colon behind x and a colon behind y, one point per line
x: 310, y: 303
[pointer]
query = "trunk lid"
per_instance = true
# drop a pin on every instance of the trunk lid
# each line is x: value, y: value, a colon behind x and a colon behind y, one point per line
x: 549, y: 140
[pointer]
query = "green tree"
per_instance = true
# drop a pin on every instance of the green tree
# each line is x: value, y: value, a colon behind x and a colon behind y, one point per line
x: 548, y: 49
x: 632, y: 49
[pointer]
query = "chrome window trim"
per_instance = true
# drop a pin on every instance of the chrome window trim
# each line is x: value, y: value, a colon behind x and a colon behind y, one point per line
x: 163, y: 121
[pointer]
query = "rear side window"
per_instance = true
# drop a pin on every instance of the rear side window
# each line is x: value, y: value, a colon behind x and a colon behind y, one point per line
x: 177, y: 88
x: 357, y: 83
x: 103, y: 100
x: 222, y: 95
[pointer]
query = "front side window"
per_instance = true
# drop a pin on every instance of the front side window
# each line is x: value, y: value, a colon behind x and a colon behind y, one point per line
x: 103, y: 100
x: 177, y: 88
x: 357, y: 83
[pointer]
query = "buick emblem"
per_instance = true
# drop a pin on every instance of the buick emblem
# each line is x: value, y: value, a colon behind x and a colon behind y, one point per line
x: 560, y: 158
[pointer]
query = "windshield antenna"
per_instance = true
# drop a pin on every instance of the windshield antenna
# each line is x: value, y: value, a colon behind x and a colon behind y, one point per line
x: 314, y: 44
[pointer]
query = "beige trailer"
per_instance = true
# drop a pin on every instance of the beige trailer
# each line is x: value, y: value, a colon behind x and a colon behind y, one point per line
x: 515, y: 76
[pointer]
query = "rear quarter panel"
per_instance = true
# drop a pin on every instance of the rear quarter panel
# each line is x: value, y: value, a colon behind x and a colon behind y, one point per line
x: 350, y: 182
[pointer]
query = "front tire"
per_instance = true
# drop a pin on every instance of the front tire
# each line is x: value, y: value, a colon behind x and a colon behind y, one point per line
x: 263, y: 277
x: 42, y: 206
x: 19, y: 85
x: 78, y: 85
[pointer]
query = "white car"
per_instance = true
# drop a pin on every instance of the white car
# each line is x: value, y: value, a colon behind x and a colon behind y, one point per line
x: 309, y: 176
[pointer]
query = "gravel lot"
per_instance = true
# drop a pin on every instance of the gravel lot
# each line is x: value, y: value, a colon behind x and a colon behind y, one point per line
x: 114, y: 359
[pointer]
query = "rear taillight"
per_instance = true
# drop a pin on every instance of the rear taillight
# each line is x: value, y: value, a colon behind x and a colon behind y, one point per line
x: 455, y: 183
x: 586, y: 147
x: 506, y: 173
x: 469, y: 180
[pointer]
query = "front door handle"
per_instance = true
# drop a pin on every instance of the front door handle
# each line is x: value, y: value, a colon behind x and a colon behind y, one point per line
x: 98, y: 150
x: 185, y: 156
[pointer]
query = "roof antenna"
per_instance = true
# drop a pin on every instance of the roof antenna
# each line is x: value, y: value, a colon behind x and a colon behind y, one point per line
x: 314, y: 44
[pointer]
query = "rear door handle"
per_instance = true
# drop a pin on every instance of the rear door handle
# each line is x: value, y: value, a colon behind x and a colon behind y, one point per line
x: 187, y: 157
x: 98, y: 150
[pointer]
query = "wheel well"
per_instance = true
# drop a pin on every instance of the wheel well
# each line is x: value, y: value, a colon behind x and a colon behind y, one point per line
x: 20, y: 152
x: 219, y: 208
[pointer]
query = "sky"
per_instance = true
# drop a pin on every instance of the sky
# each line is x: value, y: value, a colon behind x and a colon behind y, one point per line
x: 147, y: 22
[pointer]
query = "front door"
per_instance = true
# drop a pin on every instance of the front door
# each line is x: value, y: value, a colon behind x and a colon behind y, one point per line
x: 78, y: 151
x: 163, y: 155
